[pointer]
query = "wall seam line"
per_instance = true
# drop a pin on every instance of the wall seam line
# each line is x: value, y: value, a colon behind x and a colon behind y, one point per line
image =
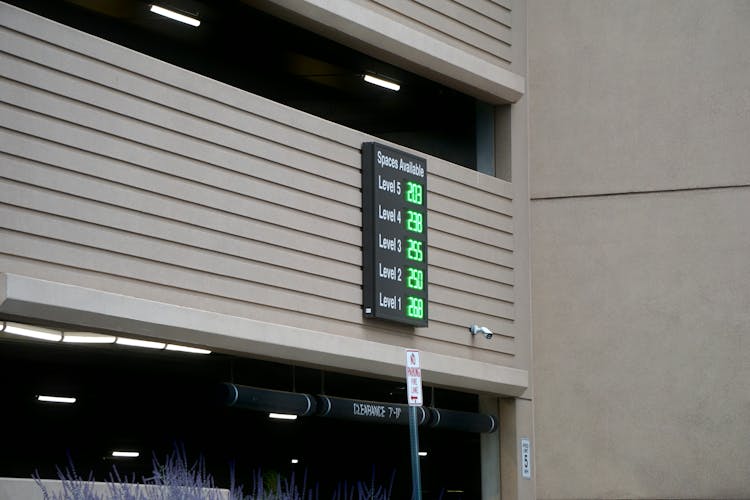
x: 634, y: 193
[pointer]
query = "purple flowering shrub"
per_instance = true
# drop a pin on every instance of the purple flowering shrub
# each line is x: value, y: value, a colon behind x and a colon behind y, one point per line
x: 177, y: 479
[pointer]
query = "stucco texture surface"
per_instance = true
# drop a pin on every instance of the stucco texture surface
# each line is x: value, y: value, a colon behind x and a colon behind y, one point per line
x: 638, y: 95
x: 639, y: 157
x: 641, y: 310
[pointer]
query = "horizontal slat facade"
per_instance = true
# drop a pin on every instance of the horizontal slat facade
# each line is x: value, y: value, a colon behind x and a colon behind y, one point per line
x: 480, y: 27
x: 126, y: 174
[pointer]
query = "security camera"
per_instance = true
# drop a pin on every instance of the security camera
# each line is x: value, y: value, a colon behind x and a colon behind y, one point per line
x: 474, y: 329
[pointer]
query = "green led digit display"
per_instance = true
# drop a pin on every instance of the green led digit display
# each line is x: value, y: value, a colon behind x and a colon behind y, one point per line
x: 414, y: 193
x: 414, y: 307
x: 414, y: 278
x: 395, y: 227
x: 414, y: 250
x: 413, y: 221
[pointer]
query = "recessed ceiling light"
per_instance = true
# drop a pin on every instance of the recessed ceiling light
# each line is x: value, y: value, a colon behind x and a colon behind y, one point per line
x: 33, y: 332
x: 282, y: 416
x: 182, y: 348
x: 382, y: 83
x: 56, y: 399
x: 139, y: 343
x: 87, y: 338
x: 175, y: 15
x: 126, y: 454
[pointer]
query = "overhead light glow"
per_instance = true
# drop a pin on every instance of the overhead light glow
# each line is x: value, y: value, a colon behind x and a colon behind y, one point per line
x: 182, y: 348
x: 56, y: 399
x: 139, y: 343
x: 295, y: 461
x: 175, y: 15
x: 422, y: 453
x: 33, y: 332
x: 382, y: 83
x: 282, y: 416
x: 87, y: 338
x: 126, y: 454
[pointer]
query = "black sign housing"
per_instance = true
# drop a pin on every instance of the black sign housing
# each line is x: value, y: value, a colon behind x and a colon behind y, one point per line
x: 394, y: 235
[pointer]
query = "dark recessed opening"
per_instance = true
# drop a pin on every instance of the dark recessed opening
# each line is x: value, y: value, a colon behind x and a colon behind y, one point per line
x: 138, y: 399
x: 254, y: 51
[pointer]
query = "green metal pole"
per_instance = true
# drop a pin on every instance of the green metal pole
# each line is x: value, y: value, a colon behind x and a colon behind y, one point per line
x: 414, y: 440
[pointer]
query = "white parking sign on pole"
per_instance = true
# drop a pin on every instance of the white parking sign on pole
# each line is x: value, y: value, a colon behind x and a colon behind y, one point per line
x: 414, y: 398
x: 413, y: 379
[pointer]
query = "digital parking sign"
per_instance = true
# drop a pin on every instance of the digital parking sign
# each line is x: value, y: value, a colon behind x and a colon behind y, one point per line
x: 394, y: 235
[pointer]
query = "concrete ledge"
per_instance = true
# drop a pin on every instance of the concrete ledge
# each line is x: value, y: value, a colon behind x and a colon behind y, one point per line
x: 13, y: 488
x: 385, y: 37
x: 88, y: 308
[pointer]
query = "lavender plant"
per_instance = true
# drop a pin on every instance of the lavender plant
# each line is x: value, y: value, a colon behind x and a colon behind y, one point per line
x: 73, y: 485
x: 364, y: 490
x: 177, y: 479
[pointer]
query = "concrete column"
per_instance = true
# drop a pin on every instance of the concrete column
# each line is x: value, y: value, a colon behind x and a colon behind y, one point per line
x: 516, y: 423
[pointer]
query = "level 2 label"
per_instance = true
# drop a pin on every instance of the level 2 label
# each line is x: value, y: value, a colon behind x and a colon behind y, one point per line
x: 391, y: 273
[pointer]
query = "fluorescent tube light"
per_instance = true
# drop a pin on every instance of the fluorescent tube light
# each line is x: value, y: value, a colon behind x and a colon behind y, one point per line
x: 422, y: 453
x: 182, y: 348
x: 382, y: 83
x: 87, y: 338
x: 139, y: 343
x: 282, y: 416
x: 126, y: 454
x: 33, y: 332
x: 175, y: 15
x: 295, y: 461
x: 56, y: 399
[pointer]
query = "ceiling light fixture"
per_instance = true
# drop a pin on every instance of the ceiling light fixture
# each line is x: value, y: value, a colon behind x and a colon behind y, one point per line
x: 126, y: 454
x: 175, y: 15
x: 182, y: 348
x: 87, y: 338
x: 295, y: 461
x: 382, y: 83
x: 139, y: 343
x: 32, y: 331
x: 282, y: 416
x: 56, y: 399
x: 422, y: 453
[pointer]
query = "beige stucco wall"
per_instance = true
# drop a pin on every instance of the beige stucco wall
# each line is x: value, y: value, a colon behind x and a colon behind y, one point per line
x: 122, y: 174
x: 639, y: 119
x: 638, y: 95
